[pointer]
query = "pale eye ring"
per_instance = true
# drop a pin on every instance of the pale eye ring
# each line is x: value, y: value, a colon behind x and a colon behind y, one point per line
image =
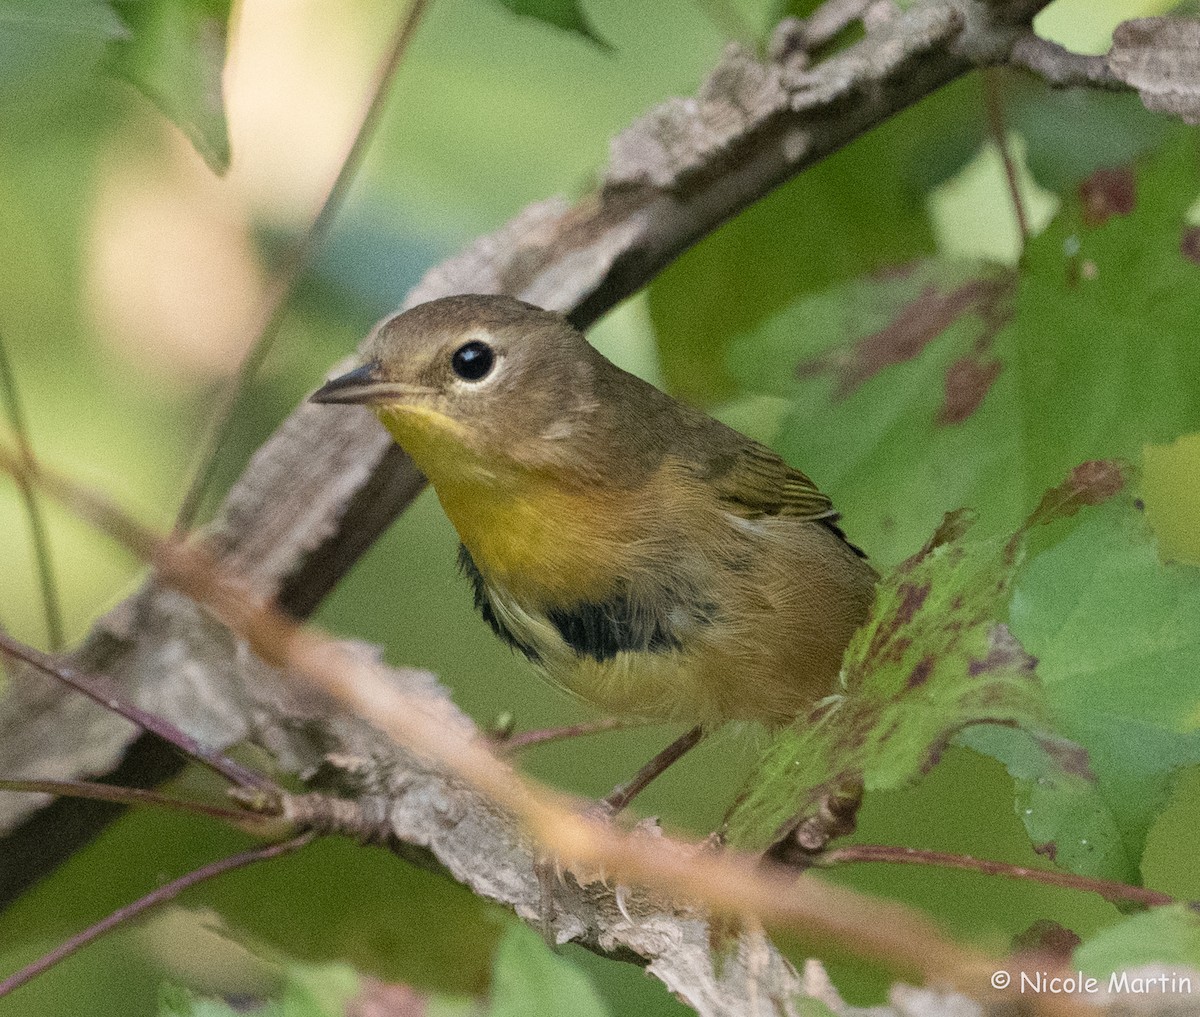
x: 473, y: 361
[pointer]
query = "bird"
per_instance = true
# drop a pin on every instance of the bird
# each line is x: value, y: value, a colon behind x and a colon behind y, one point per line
x: 640, y: 554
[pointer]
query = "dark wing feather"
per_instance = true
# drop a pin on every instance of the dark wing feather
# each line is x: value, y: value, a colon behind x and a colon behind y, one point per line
x: 753, y: 481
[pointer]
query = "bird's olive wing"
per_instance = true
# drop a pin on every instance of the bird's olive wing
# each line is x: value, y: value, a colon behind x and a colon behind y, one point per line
x: 754, y: 482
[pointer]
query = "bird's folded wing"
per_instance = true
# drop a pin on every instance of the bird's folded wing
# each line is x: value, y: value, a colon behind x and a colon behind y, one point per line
x: 753, y: 482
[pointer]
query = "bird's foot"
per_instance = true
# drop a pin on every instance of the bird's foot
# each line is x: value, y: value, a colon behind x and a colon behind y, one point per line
x: 555, y: 879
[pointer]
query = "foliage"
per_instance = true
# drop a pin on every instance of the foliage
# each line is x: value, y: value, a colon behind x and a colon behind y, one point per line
x: 43, y: 40
x: 1167, y: 936
x: 531, y: 979
x: 306, y: 992
x: 174, y: 53
x: 1045, y: 660
x: 564, y: 14
x: 1096, y: 623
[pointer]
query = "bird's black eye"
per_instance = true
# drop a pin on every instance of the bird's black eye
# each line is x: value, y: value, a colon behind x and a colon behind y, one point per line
x: 472, y: 361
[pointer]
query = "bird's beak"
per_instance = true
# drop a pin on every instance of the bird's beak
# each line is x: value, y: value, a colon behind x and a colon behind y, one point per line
x: 362, y: 385
x: 366, y: 386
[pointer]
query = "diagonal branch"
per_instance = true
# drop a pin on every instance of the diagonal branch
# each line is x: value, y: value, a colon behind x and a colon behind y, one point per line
x: 166, y: 892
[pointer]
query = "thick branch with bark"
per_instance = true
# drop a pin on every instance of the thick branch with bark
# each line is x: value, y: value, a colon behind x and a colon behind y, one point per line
x: 329, y: 481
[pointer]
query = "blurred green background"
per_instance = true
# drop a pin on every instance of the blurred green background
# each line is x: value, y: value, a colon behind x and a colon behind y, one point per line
x: 130, y: 278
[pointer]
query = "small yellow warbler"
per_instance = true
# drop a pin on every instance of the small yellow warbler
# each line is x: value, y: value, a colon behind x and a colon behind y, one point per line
x: 642, y: 555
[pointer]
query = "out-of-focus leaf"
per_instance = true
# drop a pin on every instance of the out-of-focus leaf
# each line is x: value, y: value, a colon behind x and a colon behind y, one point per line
x: 174, y: 55
x: 1167, y: 935
x: 911, y: 395
x: 176, y: 1001
x: 529, y: 979
x: 564, y: 14
x: 1116, y: 636
x: 1172, y: 505
x: 306, y: 992
x: 1071, y: 133
x: 41, y: 41
x: 862, y: 210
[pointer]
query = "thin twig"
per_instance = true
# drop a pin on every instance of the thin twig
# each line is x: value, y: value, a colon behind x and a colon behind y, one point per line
x: 1118, y: 893
x: 994, y: 105
x: 619, y: 798
x: 247, y: 821
x: 164, y: 893
x: 542, y: 736
x: 51, y: 603
x: 103, y: 691
x: 275, y: 302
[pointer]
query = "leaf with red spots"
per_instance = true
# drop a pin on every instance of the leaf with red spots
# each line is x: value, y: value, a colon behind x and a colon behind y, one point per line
x: 1117, y: 637
x: 1072, y: 665
x: 947, y: 384
x: 934, y: 657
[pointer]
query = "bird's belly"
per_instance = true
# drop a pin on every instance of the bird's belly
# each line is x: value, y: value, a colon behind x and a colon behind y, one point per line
x: 754, y: 636
x: 674, y: 667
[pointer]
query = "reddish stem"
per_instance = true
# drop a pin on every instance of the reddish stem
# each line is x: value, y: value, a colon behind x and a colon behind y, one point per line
x: 994, y: 105
x: 541, y: 736
x: 163, y: 894
x: 1111, y: 891
x: 105, y: 692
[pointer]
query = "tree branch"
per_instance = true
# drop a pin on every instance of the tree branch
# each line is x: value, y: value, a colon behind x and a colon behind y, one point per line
x: 1060, y: 68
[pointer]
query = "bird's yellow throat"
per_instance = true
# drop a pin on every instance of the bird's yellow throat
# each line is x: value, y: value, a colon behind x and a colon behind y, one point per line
x: 522, y: 527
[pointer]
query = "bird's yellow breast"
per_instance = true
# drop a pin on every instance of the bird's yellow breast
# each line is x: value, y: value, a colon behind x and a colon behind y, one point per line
x: 646, y: 595
x: 528, y: 530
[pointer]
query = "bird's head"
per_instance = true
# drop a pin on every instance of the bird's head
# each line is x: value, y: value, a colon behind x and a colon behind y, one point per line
x: 476, y: 381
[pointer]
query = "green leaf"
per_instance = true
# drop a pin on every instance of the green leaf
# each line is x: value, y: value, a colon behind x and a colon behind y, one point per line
x: 1168, y: 935
x: 1070, y: 133
x: 175, y: 56
x: 859, y: 211
x: 176, y: 1001
x: 1116, y: 636
x: 529, y: 978
x: 863, y: 369
x: 1093, y: 743
x: 564, y: 14
x: 947, y: 385
x: 1058, y: 802
x: 308, y: 991
x: 933, y: 658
